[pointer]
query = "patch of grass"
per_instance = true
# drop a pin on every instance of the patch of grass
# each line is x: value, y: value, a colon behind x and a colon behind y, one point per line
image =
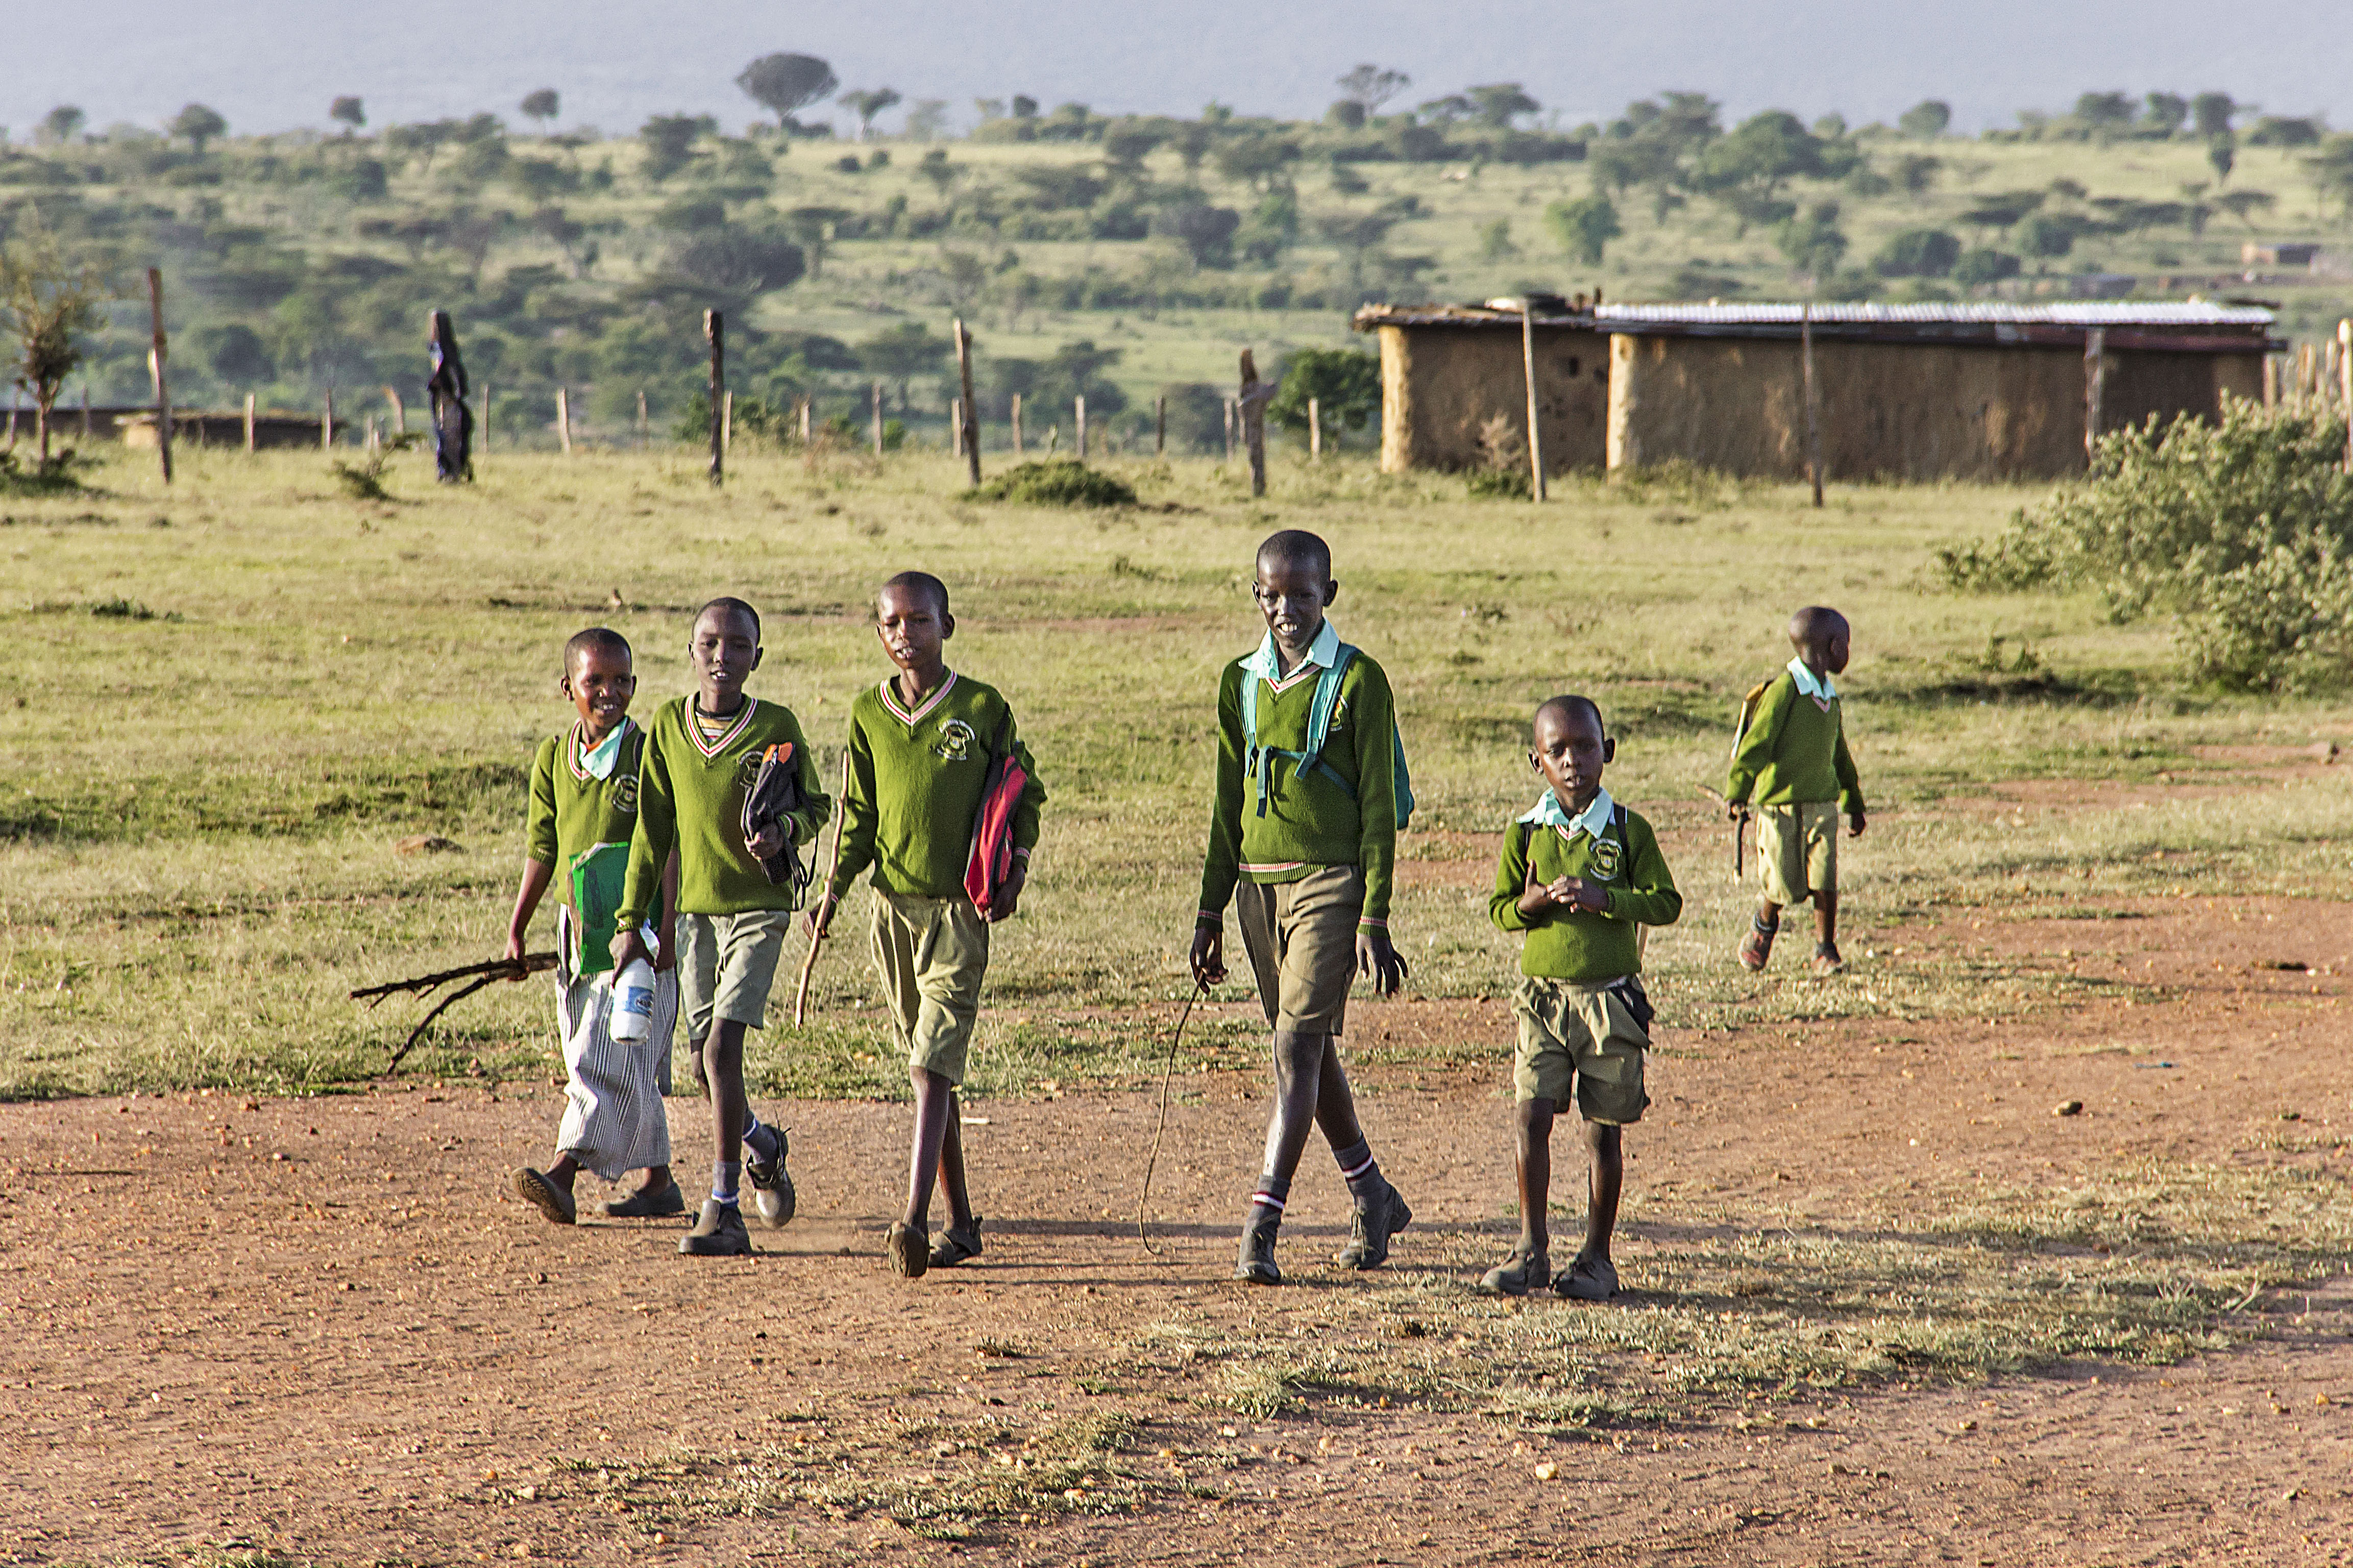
x: 1057, y: 481
x: 363, y: 480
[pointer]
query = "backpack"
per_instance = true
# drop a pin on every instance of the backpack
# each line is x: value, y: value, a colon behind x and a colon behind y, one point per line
x: 773, y: 795
x: 1748, y: 706
x: 1259, y: 761
x: 988, y: 863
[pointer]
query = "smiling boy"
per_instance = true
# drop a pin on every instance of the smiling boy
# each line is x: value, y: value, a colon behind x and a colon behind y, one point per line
x: 1303, y: 840
x: 703, y: 751
x: 1580, y: 873
x: 920, y: 749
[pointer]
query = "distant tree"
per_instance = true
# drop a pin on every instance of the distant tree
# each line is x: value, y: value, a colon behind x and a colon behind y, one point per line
x: 898, y: 354
x: 1024, y: 107
x: 59, y: 125
x: 1261, y: 161
x: 783, y: 83
x: 1451, y: 110
x: 1127, y: 143
x: 2243, y: 203
x: 934, y: 166
x: 2048, y: 234
x: 1196, y: 416
x: 543, y: 106
x: 2287, y: 131
x: 813, y: 228
x: 51, y: 303
x: 1346, y: 113
x: 2001, y: 210
x: 743, y: 262
x: 1980, y: 266
x: 2222, y: 153
x: 1917, y: 173
x: 2330, y: 169
x: 1812, y: 240
x: 350, y: 111
x: 197, y: 125
x: 1746, y: 169
x: 1917, y: 253
x: 928, y: 119
x: 669, y: 142
x: 1207, y: 233
x: 1495, y: 241
x: 1345, y: 385
x: 1926, y: 119
x: 1076, y: 370
x: 364, y: 180
x: 867, y: 105
x: 236, y: 355
x: 1193, y: 140
x: 2210, y: 113
x: 2103, y: 116
x: 541, y: 179
x: 2162, y: 113
x: 1369, y: 86
x: 1499, y: 103
x: 1584, y: 227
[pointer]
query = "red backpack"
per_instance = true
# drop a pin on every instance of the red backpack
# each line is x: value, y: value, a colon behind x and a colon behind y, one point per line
x: 990, y: 862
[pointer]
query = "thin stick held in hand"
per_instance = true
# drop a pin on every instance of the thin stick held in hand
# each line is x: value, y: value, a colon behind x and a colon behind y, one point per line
x: 478, y: 976
x: 1167, y: 1076
x: 1740, y: 832
x: 816, y: 932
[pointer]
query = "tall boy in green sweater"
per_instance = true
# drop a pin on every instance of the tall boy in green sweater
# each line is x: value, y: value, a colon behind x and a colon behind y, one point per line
x: 702, y: 752
x: 1305, y: 846
x: 920, y: 749
x: 1579, y: 874
x: 1792, y: 764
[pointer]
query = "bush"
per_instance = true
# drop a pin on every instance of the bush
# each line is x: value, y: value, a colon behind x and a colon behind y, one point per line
x: 1917, y: 253
x: 2243, y: 529
x: 1057, y: 481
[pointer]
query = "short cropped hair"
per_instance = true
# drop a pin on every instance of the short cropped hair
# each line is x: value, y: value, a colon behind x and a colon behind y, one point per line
x: 602, y: 639
x: 1297, y: 547
x: 734, y: 607
x: 1816, y: 620
x: 922, y: 583
x: 1568, y: 703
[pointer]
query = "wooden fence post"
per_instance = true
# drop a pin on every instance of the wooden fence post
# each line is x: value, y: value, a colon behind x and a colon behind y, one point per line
x: 1813, y: 403
x: 1315, y: 431
x: 967, y: 419
x: 1079, y: 423
x: 1160, y: 426
x: 716, y: 329
x: 878, y: 418
x: 485, y: 395
x: 1017, y: 425
x: 399, y: 411
x: 1250, y: 404
x: 249, y: 417
x: 368, y: 442
x: 2095, y: 388
x: 564, y: 420
x: 1528, y: 375
x: 1226, y: 409
x: 643, y: 433
x: 2345, y: 384
x: 155, y: 356
x: 84, y: 410
x: 955, y: 426
x: 327, y: 423
x: 727, y: 423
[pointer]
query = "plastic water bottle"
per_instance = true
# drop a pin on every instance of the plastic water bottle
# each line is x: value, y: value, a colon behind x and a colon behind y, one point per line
x: 633, y: 1002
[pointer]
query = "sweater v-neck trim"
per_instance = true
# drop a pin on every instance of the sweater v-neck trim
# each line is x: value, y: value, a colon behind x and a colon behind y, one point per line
x: 576, y: 748
x: 711, y: 749
x: 889, y: 689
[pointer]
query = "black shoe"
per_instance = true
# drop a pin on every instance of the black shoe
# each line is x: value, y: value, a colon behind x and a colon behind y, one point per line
x: 772, y: 1186
x: 1256, y: 1264
x: 1368, y: 1241
x: 647, y: 1203
x: 956, y: 1246
x: 543, y: 1194
x: 909, y: 1250
x: 719, y: 1233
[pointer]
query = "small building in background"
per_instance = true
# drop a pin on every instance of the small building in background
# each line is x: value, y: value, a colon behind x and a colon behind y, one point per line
x: 2299, y: 253
x: 1988, y: 392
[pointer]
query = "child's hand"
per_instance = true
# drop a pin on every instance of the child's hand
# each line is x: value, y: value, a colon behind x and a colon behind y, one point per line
x: 1577, y: 893
x: 1735, y: 811
x: 1854, y: 825
x: 1208, y: 955
x: 765, y: 844
x: 667, y: 958
x: 626, y: 948
x: 1008, y: 894
x: 514, y: 952
x: 1382, y: 962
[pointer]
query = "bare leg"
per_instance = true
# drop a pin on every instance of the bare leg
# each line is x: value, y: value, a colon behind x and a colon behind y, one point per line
x: 1769, y: 913
x: 1532, y: 1154
x: 1826, y: 917
x: 1609, y: 1176
x: 936, y: 1114
x: 1298, y: 1093
x: 657, y: 1178
x: 559, y: 1175
x: 722, y: 1062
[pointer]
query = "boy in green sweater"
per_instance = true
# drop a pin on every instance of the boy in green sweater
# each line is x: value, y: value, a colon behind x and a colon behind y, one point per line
x: 1579, y: 874
x: 583, y: 808
x: 1305, y: 844
x: 702, y: 752
x: 1792, y: 764
x: 920, y: 749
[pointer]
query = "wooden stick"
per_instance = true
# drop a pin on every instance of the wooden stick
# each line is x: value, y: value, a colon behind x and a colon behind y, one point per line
x: 955, y: 426
x: 1813, y: 403
x: 1528, y: 373
x: 327, y: 423
x: 1079, y: 408
x: 249, y: 417
x: 399, y: 411
x: 1252, y: 407
x: 727, y: 423
x: 564, y: 420
x: 878, y: 418
x: 496, y: 969
x: 1160, y: 426
x: 641, y: 417
x: 716, y: 329
x: 155, y: 357
x: 817, y: 934
x: 1017, y: 425
x: 968, y: 420
x: 2095, y: 387
x: 84, y: 410
x: 1315, y: 431
x: 807, y: 432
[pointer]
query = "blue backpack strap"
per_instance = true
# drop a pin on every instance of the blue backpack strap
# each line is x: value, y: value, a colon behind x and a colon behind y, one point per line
x: 1319, y: 719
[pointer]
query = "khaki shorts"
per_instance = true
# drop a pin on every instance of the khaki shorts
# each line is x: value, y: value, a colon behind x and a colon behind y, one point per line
x: 1571, y: 1030
x: 726, y: 966
x: 1797, y: 848
x: 931, y: 954
x: 1302, y: 941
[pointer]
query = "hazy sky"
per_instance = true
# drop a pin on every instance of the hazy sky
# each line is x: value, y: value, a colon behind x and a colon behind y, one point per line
x: 274, y: 64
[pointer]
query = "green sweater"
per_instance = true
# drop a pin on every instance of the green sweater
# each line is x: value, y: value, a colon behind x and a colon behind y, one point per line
x: 572, y: 809
x: 1578, y: 944
x: 1309, y: 821
x: 915, y: 780
x: 1794, y: 752
x: 691, y: 796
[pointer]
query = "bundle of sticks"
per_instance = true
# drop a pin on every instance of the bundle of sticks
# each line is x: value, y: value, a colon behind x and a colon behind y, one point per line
x: 476, y: 975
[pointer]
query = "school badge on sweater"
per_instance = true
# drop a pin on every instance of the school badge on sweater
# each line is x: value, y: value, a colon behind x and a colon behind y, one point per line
x: 1605, y: 860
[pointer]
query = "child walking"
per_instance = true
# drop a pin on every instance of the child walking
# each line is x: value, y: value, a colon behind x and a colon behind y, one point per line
x: 921, y: 746
x: 1579, y: 874
x: 1792, y: 762
x: 583, y: 808
x: 738, y: 884
x: 1303, y: 840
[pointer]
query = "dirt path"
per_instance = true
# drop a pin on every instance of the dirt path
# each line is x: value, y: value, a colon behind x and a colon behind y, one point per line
x: 320, y: 1328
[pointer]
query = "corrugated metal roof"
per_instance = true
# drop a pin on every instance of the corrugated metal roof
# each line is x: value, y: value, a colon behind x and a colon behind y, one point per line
x: 2126, y: 314
x: 2155, y: 325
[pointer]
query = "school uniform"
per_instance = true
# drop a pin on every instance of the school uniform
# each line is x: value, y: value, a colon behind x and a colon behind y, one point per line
x: 1305, y: 850
x: 917, y: 779
x: 584, y: 809
x: 1792, y: 767
x: 1584, y: 1021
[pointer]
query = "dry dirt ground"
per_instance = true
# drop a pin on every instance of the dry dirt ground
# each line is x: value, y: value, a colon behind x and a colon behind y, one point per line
x: 317, y: 1330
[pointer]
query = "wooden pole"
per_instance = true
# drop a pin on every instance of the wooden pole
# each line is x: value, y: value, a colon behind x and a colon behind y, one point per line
x: 564, y: 420
x: 716, y: 329
x: 2345, y: 384
x: 1315, y: 431
x: 2095, y: 388
x: 878, y: 418
x: 1251, y: 402
x: 399, y: 411
x: 327, y: 423
x: 155, y: 357
x: 486, y: 417
x: 966, y: 418
x: 727, y: 423
x: 643, y: 433
x: 368, y: 441
x: 806, y: 432
x: 1160, y: 426
x: 1813, y: 403
x: 248, y: 418
x: 2271, y: 380
x: 955, y: 426
x: 1528, y: 375
x: 84, y: 410
x: 1226, y: 407
x: 1079, y: 423
x: 1017, y: 425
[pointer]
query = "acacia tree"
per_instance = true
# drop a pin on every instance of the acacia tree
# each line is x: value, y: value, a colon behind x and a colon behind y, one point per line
x: 350, y: 111
x: 50, y: 302
x: 1369, y: 86
x: 198, y: 124
x: 543, y: 106
x: 867, y: 105
x: 783, y: 83
x: 58, y: 125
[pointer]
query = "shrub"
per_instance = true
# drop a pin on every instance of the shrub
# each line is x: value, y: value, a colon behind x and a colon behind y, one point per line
x: 1057, y: 481
x: 2243, y: 529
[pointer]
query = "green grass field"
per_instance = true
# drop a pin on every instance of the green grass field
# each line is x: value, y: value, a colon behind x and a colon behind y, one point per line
x: 230, y: 700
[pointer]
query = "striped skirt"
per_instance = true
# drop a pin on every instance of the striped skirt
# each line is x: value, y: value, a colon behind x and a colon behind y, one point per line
x: 614, y: 1119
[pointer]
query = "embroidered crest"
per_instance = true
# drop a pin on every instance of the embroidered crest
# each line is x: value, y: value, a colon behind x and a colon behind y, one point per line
x: 1602, y: 865
x: 955, y: 742
x: 625, y: 794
